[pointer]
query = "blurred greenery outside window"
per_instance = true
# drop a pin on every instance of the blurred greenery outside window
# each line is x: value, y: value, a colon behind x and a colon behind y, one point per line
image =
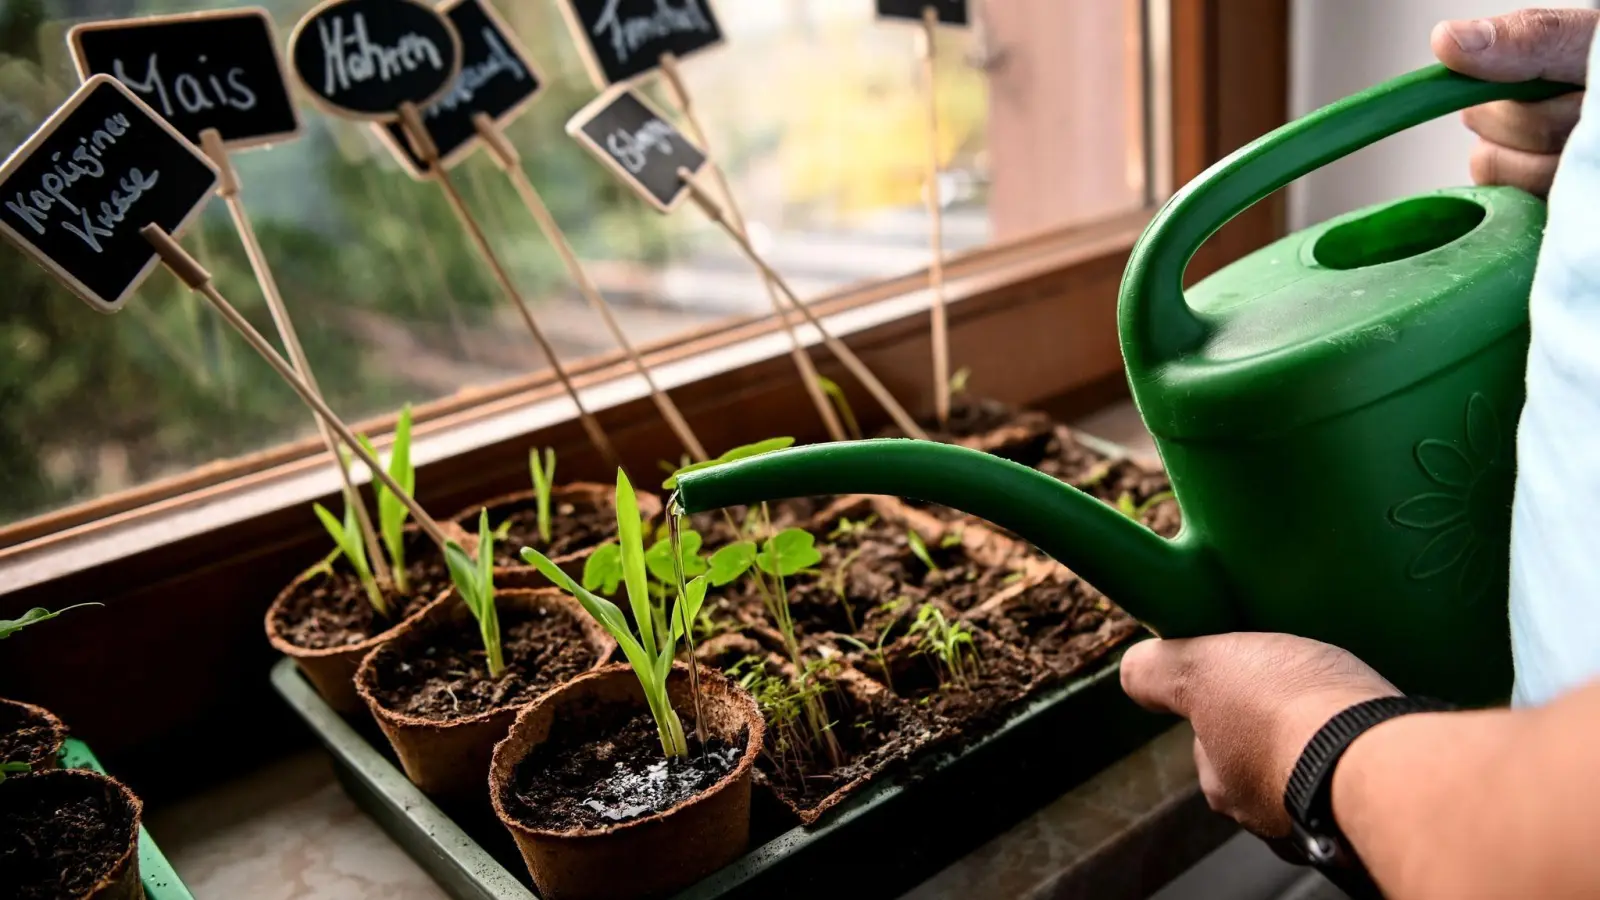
x: 815, y: 109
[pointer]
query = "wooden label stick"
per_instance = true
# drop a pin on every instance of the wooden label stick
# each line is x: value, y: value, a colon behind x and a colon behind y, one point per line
x: 940, y: 330
x: 191, y: 273
x: 839, y: 349
x: 506, y: 157
x: 228, y: 190
x: 802, y: 359
x: 422, y: 145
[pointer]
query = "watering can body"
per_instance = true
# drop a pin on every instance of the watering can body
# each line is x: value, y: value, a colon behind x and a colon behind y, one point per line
x: 1336, y: 411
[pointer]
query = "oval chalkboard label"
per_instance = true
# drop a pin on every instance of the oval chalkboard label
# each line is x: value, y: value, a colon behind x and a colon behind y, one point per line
x: 364, y: 58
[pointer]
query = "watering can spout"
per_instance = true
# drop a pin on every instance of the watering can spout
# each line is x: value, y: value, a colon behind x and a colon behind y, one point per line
x: 1172, y: 586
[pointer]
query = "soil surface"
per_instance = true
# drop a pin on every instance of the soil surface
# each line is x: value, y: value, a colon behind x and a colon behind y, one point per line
x: 573, y: 527
x: 447, y: 676
x: 56, y: 840
x: 25, y: 738
x: 1111, y: 481
x: 612, y: 773
x: 975, y: 700
x: 1062, y: 625
x: 326, y: 612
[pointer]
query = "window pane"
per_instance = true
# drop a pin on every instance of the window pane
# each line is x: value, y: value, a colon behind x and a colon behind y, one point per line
x: 818, y: 112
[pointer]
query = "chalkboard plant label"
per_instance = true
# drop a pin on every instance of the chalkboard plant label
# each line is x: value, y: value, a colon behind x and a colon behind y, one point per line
x: 636, y: 141
x: 200, y: 70
x: 75, y: 194
x: 496, y: 79
x: 623, y: 39
x: 951, y: 12
x: 362, y: 59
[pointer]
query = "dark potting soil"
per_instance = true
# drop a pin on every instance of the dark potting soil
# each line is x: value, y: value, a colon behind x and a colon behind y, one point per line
x: 978, y: 699
x: 613, y: 773
x: 1111, y: 480
x: 447, y: 676
x: 1062, y: 625
x: 327, y: 612
x: 25, y: 737
x: 573, y: 527
x: 56, y: 839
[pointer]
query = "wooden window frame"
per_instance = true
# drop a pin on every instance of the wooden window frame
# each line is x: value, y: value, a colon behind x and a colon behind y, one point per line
x: 187, y: 567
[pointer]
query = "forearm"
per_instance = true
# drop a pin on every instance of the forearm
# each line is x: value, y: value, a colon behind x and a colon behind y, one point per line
x: 1483, y: 804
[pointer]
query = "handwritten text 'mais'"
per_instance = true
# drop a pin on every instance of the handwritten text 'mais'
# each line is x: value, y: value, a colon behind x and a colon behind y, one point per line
x: 632, y: 149
x: 227, y: 89
x: 628, y: 34
x: 37, y: 208
x: 365, y: 60
x: 473, y: 77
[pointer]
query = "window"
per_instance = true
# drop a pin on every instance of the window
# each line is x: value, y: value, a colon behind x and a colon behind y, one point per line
x: 816, y: 110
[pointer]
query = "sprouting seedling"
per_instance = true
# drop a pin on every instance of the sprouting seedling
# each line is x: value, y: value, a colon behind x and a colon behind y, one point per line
x: 846, y: 527
x: 602, y: 571
x: 876, y: 650
x: 544, y: 478
x: 958, y: 381
x: 836, y: 396
x: 34, y: 616
x: 785, y: 705
x: 841, y: 575
x: 951, y: 643
x: 1126, y: 506
x: 347, y: 537
x: 737, y: 453
x: 952, y: 538
x: 7, y: 769
x: 919, y: 549
x: 392, y: 511
x: 474, y: 581
x: 651, y: 651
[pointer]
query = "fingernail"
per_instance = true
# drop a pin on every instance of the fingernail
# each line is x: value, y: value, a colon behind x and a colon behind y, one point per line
x: 1472, y: 35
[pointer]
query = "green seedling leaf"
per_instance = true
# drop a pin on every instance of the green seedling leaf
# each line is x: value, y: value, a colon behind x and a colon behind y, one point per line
x: 392, y: 512
x: 474, y: 581
x: 658, y: 559
x: 835, y: 395
x: 602, y: 571
x: 731, y: 561
x: 787, y: 552
x: 1152, y: 502
x: 847, y: 527
x: 347, y: 538
x: 1126, y: 507
x: 34, y: 616
x: 695, y: 597
x: 958, y: 381
x: 7, y: 769
x: 631, y: 539
x: 952, y: 538
x: 919, y: 549
x: 737, y: 453
x: 544, y: 478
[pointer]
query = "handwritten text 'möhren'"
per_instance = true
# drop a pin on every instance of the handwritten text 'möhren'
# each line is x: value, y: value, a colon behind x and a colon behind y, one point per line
x: 365, y: 60
x: 36, y: 208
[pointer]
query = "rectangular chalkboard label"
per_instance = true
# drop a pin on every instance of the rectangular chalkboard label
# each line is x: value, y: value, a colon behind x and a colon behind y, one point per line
x: 496, y: 79
x: 202, y: 70
x: 622, y: 39
x: 76, y: 193
x: 639, y: 143
x: 951, y: 12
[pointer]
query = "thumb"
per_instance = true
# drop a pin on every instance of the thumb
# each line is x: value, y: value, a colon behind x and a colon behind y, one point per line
x: 1520, y: 46
x: 1156, y: 675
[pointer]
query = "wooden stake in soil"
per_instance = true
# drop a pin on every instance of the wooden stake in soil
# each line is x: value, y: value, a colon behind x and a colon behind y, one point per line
x: 228, y: 190
x: 506, y: 157
x: 191, y: 273
x: 940, y: 327
x: 422, y: 145
x: 846, y: 356
x: 802, y: 359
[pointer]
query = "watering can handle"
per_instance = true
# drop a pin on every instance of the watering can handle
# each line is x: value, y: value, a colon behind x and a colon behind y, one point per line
x: 1155, y: 322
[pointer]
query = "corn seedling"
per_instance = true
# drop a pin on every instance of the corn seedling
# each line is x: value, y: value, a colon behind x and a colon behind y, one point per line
x: 7, y: 769
x: 876, y: 650
x: 544, y: 478
x: 474, y: 581
x: 347, y: 538
x: 948, y: 642
x: 841, y: 404
x: 650, y: 652
x: 919, y: 549
x: 392, y: 512
x: 1127, y: 507
x: 34, y: 616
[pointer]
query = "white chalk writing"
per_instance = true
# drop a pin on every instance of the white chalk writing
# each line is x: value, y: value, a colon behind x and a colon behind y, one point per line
x: 473, y: 77
x: 632, y: 148
x: 36, y: 208
x: 365, y: 60
x: 628, y: 34
x: 193, y: 94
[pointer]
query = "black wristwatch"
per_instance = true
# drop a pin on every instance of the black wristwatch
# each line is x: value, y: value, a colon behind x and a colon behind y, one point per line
x: 1309, y: 796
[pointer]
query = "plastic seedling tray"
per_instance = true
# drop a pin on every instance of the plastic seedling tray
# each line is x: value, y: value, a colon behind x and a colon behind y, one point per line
x: 884, y: 840
x: 160, y: 881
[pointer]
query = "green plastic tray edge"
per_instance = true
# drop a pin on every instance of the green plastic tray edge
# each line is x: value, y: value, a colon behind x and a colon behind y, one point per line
x: 161, y: 881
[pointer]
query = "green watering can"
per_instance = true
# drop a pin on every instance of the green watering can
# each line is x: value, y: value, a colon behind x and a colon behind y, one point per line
x: 1337, y: 412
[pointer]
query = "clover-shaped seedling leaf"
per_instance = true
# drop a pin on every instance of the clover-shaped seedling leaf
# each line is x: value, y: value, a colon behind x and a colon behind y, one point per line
x: 787, y: 552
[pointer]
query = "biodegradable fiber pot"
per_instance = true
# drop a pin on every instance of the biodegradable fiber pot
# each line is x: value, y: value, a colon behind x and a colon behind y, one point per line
x: 649, y: 856
x: 332, y: 670
x: 69, y: 829
x: 449, y: 757
x: 30, y: 734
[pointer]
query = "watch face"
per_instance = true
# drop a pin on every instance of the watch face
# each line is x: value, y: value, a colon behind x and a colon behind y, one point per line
x: 1320, y: 849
